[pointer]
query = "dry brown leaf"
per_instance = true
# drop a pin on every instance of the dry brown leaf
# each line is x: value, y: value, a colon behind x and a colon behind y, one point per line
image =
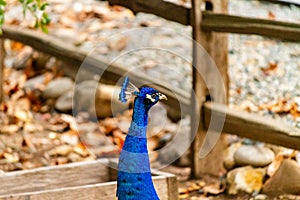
x: 271, y: 68
x: 81, y: 150
x: 183, y: 191
x: 118, y: 44
x: 9, y: 129
x: 62, y: 150
x: 16, y: 46
x: 271, y: 15
x: 183, y: 196
x: 23, y: 115
x: 272, y: 168
x: 213, y: 189
x: 11, y: 157
x: 70, y: 120
x: 109, y: 124
x: 152, y: 143
x: 281, y: 106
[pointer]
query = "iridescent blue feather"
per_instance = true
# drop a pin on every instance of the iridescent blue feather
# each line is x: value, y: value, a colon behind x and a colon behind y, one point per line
x: 128, y: 90
x: 134, y: 180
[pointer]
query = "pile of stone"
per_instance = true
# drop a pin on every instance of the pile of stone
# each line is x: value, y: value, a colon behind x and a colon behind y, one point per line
x: 258, y: 168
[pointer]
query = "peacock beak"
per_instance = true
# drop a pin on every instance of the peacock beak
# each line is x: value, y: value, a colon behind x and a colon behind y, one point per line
x: 162, y: 96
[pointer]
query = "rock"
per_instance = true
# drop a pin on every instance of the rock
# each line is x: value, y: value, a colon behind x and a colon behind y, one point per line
x: 94, y: 139
x: 286, y: 179
x: 157, y: 119
x: 178, y: 146
x: 35, y: 82
x: 229, y: 162
x: 257, y: 156
x: 61, y: 150
x: 245, y: 179
x: 87, y: 127
x: 22, y: 60
x: 297, y: 156
x: 163, y: 140
x: 69, y: 137
x: 97, y: 99
x: 260, y: 197
x: 57, y: 87
x: 64, y: 102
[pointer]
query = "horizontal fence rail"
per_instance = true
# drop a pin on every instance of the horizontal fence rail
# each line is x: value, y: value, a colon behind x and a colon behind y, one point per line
x: 246, y: 25
x: 253, y: 126
x: 177, y: 99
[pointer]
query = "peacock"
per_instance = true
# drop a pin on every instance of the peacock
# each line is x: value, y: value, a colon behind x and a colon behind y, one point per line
x: 134, y: 180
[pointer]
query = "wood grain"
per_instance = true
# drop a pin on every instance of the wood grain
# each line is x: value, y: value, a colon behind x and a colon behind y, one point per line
x: 210, y: 79
x: 83, y: 180
x: 168, y: 10
x: 100, y: 191
x: 245, y: 25
x: 254, y: 126
x: 47, y: 178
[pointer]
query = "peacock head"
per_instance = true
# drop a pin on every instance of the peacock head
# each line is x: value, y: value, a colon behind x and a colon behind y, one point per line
x: 150, y: 96
x: 146, y: 96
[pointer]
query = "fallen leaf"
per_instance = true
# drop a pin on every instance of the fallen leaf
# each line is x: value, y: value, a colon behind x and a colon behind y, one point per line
x: 11, y: 157
x: 271, y: 15
x: 81, y: 150
x: 183, y: 191
x: 183, y: 196
x: 9, y: 129
x: 271, y: 68
x: 62, y: 150
x: 213, y: 189
x: 118, y: 43
x: 272, y: 168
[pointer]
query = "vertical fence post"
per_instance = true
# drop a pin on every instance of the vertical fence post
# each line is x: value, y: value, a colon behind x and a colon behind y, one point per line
x: 216, y: 46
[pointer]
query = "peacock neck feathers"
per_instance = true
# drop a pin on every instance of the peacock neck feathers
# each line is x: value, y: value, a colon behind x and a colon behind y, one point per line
x: 134, y: 176
x: 134, y: 180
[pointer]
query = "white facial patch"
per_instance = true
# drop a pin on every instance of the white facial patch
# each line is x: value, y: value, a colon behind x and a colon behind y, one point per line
x: 148, y: 96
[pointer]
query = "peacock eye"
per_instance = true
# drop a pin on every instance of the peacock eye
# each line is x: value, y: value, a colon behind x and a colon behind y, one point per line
x: 147, y: 101
x: 153, y: 96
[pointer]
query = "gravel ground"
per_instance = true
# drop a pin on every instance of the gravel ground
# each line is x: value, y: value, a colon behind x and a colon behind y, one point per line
x: 251, y: 59
x: 261, y: 70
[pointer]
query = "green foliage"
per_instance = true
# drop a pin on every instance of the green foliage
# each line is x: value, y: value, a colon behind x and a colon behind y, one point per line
x: 2, y: 9
x: 36, y: 9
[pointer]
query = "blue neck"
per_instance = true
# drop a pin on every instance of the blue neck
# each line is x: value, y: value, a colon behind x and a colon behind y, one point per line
x: 140, y: 113
x: 134, y: 175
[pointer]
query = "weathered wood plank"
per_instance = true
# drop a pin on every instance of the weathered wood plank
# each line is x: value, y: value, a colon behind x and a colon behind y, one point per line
x: 83, y: 180
x: 245, y: 25
x: 210, y: 79
x: 165, y: 9
x: 100, y: 191
x: 47, y: 178
x: 75, y: 57
x: 254, y: 126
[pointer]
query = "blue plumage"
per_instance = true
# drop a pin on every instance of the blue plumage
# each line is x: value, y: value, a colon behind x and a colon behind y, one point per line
x: 134, y: 175
x: 127, y: 91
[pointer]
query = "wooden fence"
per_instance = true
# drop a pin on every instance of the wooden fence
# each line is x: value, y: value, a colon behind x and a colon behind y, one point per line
x: 206, y: 22
x: 208, y: 28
